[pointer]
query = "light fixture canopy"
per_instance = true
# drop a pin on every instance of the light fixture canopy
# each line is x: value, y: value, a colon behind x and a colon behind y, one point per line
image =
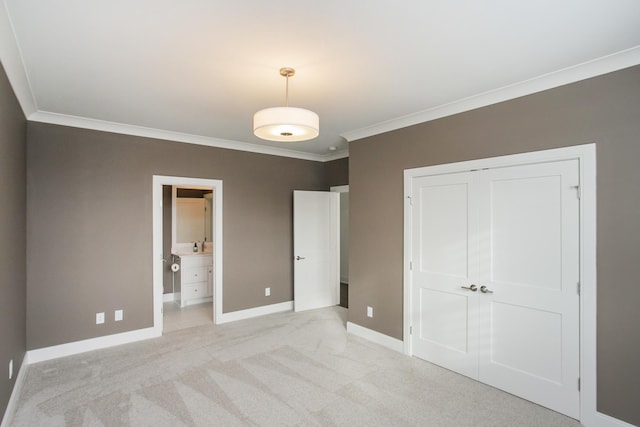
x: 286, y: 124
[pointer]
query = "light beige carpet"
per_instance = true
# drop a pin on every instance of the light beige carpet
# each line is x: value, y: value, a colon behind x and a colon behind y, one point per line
x: 278, y: 370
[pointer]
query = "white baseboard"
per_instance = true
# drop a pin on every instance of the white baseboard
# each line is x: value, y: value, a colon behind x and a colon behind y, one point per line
x: 62, y: 350
x: 13, y: 399
x: 40, y: 355
x: 168, y: 297
x: 77, y: 347
x: 255, y: 312
x: 376, y: 337
x: 589, y: 420
x: 603, y: 420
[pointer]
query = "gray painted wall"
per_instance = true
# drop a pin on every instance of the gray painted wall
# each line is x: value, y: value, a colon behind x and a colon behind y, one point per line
x: 604, y: 110
x: 337, y: 172
x: 90, y: 228
x: 13, y: 233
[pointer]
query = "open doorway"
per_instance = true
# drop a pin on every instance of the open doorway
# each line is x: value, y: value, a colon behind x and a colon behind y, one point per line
x: 344, y: 243
x: 187, y: 246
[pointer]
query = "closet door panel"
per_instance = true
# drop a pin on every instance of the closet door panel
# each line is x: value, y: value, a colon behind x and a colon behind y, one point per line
x: 529, y: 315
x: 526, y: 239
x: 444, y: 254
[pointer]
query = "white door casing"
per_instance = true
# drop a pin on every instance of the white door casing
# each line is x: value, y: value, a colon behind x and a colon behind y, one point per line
x: 343, y: 246
x: 316, y: 257
x: 216, y: 185
x: 498, y: 366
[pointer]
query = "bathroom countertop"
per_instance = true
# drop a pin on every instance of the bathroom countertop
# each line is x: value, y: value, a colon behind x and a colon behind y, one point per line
x: 181, y: 254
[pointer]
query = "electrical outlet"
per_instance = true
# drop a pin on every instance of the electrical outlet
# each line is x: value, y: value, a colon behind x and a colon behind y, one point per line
x: 267, y: 292
x: 99, y: 318
x: 369, y: 311
x: 117, y: 315
x: 10, y: 368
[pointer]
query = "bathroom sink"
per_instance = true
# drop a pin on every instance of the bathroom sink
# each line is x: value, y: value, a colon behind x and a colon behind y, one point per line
x: 193, y: 253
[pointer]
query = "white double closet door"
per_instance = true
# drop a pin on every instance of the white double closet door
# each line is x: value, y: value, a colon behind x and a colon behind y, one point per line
x: 494, y: 282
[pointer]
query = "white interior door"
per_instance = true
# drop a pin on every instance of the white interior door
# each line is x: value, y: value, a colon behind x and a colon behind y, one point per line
x: 512, y: 233
x: 315, y: 249
x: 445, y: 265
x: 530, y: 247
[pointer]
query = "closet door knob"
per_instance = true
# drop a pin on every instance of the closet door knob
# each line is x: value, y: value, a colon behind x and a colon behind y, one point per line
x: 471, y: 288
x: 485, y: 290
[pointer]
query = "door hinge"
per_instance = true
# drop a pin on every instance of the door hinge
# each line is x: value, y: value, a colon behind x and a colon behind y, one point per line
x: 410, y: 330
x: 578, y: 191
x: 410, y: 200
x: 578, y: 383
x: 410, y: 265
x: 578, y: 288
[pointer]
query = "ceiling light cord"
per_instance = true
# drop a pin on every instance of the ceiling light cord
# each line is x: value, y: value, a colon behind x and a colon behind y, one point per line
x: 286, y: 92
x: 287, y: 72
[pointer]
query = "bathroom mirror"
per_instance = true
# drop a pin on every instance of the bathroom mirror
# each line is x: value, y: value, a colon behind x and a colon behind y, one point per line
x: 190, y: 220
x: 192, y: 215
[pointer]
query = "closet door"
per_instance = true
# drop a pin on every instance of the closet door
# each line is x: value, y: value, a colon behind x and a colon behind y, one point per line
x: 529, y: 315
x: 494, y: 278
x: 444, y: 270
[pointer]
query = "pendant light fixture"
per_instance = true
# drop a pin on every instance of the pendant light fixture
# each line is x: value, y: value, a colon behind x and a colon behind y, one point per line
x: 286, y: 124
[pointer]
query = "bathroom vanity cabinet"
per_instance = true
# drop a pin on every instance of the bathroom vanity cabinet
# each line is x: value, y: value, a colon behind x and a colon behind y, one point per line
x: 196, y: 279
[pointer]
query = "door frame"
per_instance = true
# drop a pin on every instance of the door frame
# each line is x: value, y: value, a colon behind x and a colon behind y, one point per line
x: 586, y: 156
x: 339, y: 189
x: 216, y: 185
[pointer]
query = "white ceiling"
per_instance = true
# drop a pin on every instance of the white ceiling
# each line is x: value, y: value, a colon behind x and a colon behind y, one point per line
x: 201, y: 68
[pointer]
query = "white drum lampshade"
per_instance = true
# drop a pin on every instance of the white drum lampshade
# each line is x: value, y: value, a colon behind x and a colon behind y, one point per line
x: 286, y: 124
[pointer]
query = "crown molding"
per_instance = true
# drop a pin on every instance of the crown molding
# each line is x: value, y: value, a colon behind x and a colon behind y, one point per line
x: 336, y: 155
x: 105, y: 126
x: 606, y: 64
x: 13, y: 63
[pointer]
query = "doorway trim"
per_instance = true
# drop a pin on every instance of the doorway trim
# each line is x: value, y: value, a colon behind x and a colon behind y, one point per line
x: 339, y: 189
x: 586, y: 156
x: 216, y: 185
